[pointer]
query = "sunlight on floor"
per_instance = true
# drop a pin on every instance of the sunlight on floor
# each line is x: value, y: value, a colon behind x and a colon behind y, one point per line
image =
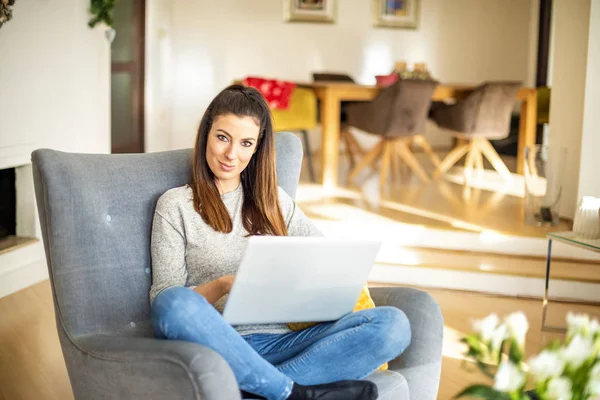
x: 453, y: 347
x: 489, y: 180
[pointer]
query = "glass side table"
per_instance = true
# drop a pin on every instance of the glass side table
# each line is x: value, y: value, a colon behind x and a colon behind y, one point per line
x: 570, y: 239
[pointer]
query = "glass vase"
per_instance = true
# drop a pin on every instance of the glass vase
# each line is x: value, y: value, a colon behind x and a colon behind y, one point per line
x: 543, y: 187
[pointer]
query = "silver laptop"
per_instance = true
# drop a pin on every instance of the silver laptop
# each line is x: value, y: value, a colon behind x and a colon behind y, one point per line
x: 299, y: 279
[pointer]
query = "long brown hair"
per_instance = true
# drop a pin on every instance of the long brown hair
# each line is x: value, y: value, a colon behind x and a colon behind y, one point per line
x: 261, y: 213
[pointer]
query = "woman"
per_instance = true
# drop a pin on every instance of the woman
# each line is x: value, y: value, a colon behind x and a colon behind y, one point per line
x: 199, y: 234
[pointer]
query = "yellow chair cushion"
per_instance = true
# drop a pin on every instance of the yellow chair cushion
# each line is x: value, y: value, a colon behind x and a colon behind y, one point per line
x: 543, y: 104
x: 364, y: 302
x: 301, y: 113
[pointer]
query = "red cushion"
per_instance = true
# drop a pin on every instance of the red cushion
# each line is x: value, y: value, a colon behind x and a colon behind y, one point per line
x: 276, y: 92
x: 386, y: 80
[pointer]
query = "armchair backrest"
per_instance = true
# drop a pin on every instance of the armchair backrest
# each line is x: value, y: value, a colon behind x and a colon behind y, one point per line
x: 96, y: 216
x: 331, y: 77
x: 484, y: 112
x: 410, y: 107
x: 398, y: 110
x: 496, y: 102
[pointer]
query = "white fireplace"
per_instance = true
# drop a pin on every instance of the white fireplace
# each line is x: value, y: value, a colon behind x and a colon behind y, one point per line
x: 22, y: 258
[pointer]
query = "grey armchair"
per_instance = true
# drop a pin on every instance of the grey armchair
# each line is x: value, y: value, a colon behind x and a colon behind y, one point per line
x: 96, y: 215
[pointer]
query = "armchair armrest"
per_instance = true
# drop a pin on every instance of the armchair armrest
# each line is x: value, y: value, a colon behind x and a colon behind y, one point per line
x: 147, y: 368
x: 421, y: 362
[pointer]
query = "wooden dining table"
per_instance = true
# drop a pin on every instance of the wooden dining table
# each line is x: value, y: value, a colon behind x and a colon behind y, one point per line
x: 331, y: 94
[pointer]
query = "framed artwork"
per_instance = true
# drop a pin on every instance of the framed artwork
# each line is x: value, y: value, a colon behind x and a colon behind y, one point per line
x: 396, y: 13
x: 309, y: 10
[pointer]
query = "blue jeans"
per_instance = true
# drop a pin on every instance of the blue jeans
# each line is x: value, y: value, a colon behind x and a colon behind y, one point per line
x: 268, y: 364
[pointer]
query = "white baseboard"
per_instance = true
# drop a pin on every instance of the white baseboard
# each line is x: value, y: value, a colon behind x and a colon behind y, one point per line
x: 506, y: 285
x: 23, y: 277
x: 22, y: 268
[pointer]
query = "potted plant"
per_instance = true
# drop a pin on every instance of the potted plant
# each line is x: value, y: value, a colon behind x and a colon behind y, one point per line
x: 567, y: 370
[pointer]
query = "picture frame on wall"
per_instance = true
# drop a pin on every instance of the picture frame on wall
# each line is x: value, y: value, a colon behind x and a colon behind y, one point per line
x: 309, y: 10
x: 396, y: 13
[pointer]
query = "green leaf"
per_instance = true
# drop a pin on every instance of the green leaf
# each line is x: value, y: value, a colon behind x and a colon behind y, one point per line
x: 515, y: 354
x: 500, y: 351
x: 483, y: 392
x: 472, y: 341
x: 553, y: 345
x: 485, y: 369
x: 102, y: 11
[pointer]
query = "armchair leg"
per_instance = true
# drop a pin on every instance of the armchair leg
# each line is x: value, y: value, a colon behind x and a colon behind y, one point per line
x: 409, y: 158
x: 479, y: 162
x: 488, y: 151
x: 470, y: 161
x: 451, y: 159
x: 366, y: 160
x: 352, y: 147
x: 308, y: 153
x: 421, y: 141
x: 386, y: 160
x: 395, y: 163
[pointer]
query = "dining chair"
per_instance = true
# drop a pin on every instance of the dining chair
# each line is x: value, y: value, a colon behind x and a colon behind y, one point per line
x: 398, y: 114
x: 300, y: 116
x: 482, y: 116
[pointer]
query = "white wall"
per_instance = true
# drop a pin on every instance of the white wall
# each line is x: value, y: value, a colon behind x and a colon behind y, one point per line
x: 462, y: 41
x: 159, y: 76
x: 54, y: 78
x: 55, y: 93
x: 589, y: 181
x: 570, y: 20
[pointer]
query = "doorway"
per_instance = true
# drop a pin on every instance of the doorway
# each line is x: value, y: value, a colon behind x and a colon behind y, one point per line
x: 127, y: 77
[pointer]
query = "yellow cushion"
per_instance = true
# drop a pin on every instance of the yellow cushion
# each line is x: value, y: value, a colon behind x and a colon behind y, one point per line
x: 364, y: 302
x: 301, y: 113
x: 543, y: 105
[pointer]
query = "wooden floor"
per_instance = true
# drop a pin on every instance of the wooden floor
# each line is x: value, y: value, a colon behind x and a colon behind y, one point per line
x: 32, y: 367
x: 488, y: 204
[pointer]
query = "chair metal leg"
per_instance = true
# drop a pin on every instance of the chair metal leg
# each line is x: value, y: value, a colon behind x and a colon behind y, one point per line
x: 546, y: 327
x: 311, y: 170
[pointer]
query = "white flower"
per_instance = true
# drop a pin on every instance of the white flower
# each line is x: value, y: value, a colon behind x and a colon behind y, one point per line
x: 508, y: 378
x: 547, y: 364
x: 497, y: 338
x: 594, y: 327
x: 517, y: 326
x: 577, y: 323
x: 594, y: 382
x: 559, y: 389
x: 578, y: 350
x: 485, y: 327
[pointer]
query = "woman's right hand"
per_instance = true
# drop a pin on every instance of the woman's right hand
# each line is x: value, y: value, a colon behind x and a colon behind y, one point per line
x: 227, y: 283
x: 214, y: 290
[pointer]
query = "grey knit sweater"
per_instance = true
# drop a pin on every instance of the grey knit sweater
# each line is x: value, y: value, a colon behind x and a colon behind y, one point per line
x: 188, y: 252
